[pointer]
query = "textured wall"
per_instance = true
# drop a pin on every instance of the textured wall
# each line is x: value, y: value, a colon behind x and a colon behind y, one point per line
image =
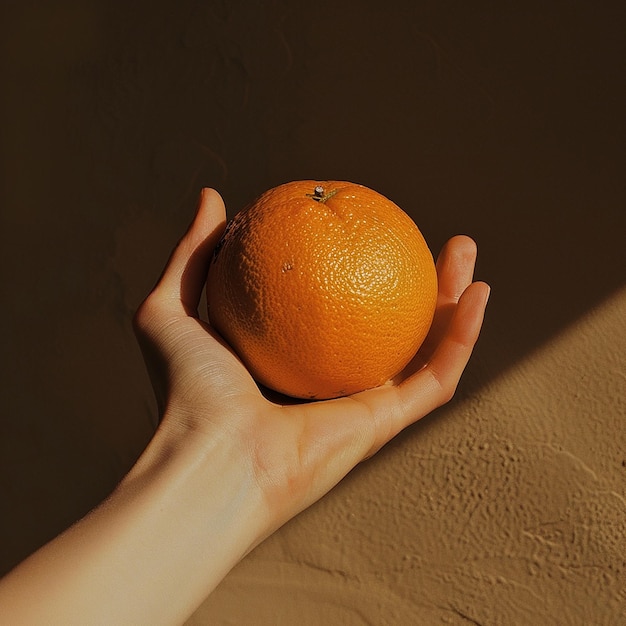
x: 501, y: 120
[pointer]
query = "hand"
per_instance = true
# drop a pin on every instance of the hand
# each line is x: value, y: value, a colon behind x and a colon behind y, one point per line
x: 296, y: 452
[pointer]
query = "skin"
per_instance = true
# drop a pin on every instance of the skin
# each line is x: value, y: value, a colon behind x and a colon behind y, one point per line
x: 227, y: 466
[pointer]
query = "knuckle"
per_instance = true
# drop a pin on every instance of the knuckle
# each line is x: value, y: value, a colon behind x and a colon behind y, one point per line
x: 448, y: 393
x: 446, y: 389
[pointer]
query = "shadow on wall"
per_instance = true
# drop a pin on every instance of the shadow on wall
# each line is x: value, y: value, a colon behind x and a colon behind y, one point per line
x: 501, y: 122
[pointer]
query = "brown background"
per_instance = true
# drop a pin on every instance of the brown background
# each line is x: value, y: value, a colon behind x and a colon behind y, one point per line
x: 503, y: 120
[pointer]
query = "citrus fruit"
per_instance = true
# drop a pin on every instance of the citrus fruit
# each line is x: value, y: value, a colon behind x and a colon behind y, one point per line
x: 322, y: 288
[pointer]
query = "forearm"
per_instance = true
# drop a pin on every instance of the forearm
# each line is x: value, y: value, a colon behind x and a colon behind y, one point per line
x: 181, y: 519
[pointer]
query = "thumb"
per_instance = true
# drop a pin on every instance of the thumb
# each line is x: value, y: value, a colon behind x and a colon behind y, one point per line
x: 183, y: 278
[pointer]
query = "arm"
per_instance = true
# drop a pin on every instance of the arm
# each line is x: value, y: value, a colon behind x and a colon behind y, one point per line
x: 153, y: 550
x: 226, y: 466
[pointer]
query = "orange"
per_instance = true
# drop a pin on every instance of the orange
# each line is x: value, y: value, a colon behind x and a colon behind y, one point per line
x: 322, y: 288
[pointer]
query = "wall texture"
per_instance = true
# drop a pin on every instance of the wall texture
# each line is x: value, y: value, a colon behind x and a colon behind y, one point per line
x: 501, y: 120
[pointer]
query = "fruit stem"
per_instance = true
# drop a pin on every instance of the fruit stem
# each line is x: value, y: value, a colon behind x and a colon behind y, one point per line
x: 320, y: 196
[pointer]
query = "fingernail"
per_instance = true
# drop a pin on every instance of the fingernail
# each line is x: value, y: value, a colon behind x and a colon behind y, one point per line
x: 487, y: 293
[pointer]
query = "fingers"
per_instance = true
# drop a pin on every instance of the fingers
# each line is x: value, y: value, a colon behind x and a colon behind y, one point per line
x: 395, y: 407
x: 455, y: 271
x: 437, y: 381
x: 455, y: 268
x: 183, y: 278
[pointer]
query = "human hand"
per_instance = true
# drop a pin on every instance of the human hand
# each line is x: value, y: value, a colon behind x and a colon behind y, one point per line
x: 295, y: 452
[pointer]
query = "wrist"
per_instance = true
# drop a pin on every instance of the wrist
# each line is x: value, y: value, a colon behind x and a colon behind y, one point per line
x: 207, y: 466
x: 196, y: 494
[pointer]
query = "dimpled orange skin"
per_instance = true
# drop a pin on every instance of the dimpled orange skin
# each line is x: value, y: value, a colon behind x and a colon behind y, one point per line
x: 322, y: 294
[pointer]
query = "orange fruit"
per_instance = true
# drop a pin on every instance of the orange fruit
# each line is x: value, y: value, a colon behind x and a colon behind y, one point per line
x: 322, y: 288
